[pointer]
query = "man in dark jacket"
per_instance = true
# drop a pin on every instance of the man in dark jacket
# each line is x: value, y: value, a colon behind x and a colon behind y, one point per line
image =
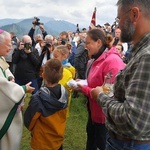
x: 81, y: 59
x: 26, y: 59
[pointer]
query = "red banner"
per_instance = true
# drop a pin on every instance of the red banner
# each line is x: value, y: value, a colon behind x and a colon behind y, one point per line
x: 93, y: 20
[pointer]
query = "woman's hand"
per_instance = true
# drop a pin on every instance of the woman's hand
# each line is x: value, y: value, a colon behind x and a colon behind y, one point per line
x: 77, y: 89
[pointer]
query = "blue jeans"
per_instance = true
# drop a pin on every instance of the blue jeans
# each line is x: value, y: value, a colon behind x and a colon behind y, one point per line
x: 25, y: 81
x: 115, y: 144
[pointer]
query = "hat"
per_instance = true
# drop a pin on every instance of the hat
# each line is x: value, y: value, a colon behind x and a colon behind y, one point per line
x: 98, y: 26
x: 107, y: 24
x: 1, y: 31
x: 84, y: 29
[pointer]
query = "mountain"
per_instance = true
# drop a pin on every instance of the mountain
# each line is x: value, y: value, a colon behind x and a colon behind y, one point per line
x: 45, y: 19
x: 15, y: 28
x: 7, y: 21
x: 60, y: 25
x: 22, y: 26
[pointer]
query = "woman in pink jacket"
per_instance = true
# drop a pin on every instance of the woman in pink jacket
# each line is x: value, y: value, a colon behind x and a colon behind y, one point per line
x: 105, y: 60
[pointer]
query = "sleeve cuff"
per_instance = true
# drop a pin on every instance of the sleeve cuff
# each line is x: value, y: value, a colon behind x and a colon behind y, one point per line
x: 24, y: 87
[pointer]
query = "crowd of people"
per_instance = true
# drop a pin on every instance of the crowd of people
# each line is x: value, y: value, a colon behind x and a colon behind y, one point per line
x: 113, y: 59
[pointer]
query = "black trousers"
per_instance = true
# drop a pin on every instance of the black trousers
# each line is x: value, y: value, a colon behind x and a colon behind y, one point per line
x: 96, y: 135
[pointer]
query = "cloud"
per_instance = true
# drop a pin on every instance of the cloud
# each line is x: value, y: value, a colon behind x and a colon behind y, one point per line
x: 73, y: 11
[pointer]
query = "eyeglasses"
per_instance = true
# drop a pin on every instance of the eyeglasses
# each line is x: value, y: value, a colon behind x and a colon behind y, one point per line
x: 117, y: 19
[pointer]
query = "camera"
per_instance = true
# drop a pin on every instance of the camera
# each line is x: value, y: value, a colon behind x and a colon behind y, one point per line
x: 37, y: 21
x: 27, y: 46
x: 78, y: 31
x: 48, y: 44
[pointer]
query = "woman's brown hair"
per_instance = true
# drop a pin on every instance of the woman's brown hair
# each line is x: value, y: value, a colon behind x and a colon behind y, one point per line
x: 96, y: 34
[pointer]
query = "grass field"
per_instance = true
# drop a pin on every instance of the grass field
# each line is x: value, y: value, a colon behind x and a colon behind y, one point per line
x: 75, y: 136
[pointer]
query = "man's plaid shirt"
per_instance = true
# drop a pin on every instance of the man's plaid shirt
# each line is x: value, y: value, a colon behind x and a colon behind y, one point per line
x: 128, y: 113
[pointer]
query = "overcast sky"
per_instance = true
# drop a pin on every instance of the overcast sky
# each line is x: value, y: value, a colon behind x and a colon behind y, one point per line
x: 74, y: 11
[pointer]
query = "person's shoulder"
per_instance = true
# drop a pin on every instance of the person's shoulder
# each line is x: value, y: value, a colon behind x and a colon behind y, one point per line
x: 81, y: 45
x: 64, y: 93
x: 37, y: 45
x: 112, y: 52
x: 35, y: 51
x: 35, y: 95
x: 114, y: 60
x: 66, y: 73
x: 3, y: 64
x: 66, y: 70
x: 69, y: 70
x: 68, y: 66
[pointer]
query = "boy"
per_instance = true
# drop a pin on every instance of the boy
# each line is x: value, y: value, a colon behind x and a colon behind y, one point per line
x: 45, y: 116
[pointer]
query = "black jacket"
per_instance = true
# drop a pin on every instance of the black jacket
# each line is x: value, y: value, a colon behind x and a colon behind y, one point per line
x: 81, y: 57
x: 26, y: 63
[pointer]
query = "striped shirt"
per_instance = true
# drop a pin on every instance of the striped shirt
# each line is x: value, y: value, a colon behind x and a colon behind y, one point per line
x: 128, y: 113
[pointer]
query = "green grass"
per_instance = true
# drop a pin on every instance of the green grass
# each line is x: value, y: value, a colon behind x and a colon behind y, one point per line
x: 75, y: 135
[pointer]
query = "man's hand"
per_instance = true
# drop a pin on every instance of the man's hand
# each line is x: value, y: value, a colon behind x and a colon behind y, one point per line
x: 27, y: 51
x: 29, y: 89
x: 34, y: 23
x: 21, y: 46
x: 42, y: 43
x: 42, y: 28
x: 96, y: 91
x: 10, y: 78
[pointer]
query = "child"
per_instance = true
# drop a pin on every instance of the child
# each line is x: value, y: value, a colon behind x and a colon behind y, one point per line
x: 62, y: 53
x: 45, y: 116
x: 119, y: 48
